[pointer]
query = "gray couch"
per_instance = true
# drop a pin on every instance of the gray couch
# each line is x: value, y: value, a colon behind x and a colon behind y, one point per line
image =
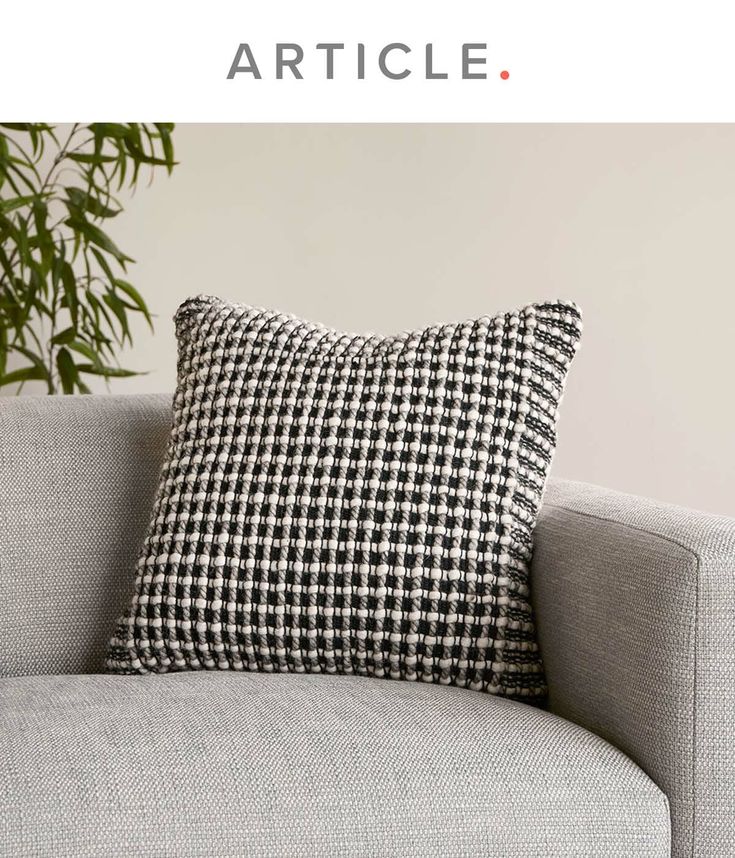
x: 635, y: 605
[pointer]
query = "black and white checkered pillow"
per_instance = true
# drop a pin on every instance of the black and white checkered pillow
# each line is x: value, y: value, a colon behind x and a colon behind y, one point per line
x: 351, y: 504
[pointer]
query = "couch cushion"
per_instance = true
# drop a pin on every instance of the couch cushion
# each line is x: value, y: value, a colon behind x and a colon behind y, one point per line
x: 226, y: 764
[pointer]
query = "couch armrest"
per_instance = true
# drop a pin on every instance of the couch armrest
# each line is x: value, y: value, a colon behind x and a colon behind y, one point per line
x: 635, y: 605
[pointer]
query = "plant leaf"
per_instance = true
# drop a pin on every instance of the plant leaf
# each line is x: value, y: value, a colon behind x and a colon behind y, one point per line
x: 107, y: 371
x: 90, y: 158
x: 87, y: 351
x: 120, y: 311
x: 64, y: 337
x: 94, y: 234
x: 80, y: 202
x: 26, y: 373
x: 71, y: 300
x: 13, y: 203
x: 136, y: 298
x: 67, y: 371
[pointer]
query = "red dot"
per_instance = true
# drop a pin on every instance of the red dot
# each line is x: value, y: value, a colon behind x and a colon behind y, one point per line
x: 504, y: 75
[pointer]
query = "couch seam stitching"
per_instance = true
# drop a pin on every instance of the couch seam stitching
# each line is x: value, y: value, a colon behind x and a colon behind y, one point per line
x: 628, y: 526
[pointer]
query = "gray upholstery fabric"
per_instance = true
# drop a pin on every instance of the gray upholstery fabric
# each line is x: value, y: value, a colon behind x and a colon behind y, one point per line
x: 77, y: 477
x: 225, y: 764
x: 635, y: 604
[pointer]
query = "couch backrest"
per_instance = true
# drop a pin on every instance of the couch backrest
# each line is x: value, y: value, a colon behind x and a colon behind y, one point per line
x: 77, y: 479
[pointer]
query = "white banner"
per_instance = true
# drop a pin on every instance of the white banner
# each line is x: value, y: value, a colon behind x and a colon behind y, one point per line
x: 383, y: 60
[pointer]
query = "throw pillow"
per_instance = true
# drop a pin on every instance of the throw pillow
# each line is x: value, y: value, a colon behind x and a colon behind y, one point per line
x: 351, y: 504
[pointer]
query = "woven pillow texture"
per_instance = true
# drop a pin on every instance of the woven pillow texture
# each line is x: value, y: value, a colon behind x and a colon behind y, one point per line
x: 351, y: 504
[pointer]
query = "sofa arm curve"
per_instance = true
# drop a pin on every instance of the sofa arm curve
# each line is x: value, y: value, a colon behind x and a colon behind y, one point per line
x: 635, y: 607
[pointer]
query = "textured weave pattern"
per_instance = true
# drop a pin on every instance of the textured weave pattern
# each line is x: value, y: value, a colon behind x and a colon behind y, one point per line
x: 352, y: 504
x: 77, y: 479
x: 227, y: 764
x: 635, y: 603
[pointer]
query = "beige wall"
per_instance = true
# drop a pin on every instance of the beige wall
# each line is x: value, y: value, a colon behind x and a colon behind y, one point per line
x: 387, y: 227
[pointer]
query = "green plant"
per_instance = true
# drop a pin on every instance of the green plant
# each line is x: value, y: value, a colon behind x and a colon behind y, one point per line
x: 65, y: 304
